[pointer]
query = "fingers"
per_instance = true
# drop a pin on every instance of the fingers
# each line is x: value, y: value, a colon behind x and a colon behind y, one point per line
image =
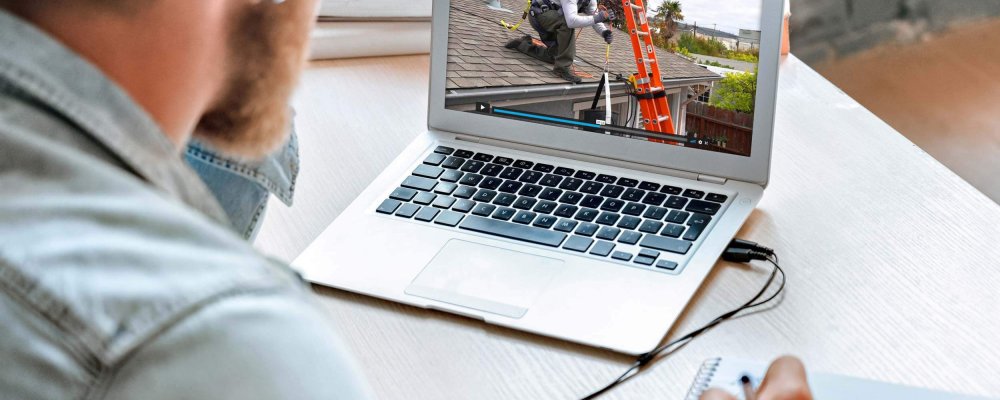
x: 716, y: 394
x: 785, y: 380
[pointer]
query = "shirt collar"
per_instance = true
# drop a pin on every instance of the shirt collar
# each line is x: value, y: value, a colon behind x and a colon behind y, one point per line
x: 43, y: 68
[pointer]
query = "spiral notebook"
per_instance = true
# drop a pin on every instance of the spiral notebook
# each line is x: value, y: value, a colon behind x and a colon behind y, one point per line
x: 725, y: 374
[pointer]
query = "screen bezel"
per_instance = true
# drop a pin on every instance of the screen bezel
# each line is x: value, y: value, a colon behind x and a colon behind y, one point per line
x: 754, y: 169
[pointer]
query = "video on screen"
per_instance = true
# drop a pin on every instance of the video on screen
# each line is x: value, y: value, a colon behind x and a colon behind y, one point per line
x: 678, y: 73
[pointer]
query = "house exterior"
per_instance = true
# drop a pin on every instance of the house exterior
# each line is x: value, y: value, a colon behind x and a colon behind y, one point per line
x: 481, y: 69
x: 746, y: 40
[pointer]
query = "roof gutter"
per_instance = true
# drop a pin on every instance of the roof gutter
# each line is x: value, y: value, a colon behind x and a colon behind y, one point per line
x: 462, y: 96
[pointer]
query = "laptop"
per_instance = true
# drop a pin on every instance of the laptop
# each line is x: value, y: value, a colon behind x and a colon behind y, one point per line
x: 588, y: 212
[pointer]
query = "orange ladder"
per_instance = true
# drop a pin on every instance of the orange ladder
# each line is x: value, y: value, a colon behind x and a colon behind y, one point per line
x: 648, y: 84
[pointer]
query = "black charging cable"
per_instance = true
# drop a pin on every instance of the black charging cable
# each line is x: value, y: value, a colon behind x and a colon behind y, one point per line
x: 739, y: 251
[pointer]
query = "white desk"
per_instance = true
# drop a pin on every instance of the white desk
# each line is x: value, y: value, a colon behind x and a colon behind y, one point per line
x: 893, y: 261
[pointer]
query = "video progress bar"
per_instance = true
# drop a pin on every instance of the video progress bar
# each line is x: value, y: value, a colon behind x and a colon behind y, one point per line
x: 486, y: 108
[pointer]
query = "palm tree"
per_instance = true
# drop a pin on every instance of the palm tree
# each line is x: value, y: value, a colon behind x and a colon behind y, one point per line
x: 666, y: 17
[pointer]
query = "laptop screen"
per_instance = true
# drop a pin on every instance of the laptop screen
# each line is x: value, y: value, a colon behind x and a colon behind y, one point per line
x: 681, y: 73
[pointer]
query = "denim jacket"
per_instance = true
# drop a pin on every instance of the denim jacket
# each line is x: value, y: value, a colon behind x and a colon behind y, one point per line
x: 121, y: 276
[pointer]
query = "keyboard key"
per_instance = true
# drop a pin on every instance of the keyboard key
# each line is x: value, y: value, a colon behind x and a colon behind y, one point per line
x: 434, y: 159
x: 504, y: 213
x: 586, y: 215
x: 388, y: 206
x: 650, y: 226
x: 546, y: 207
x: 654, y: 199
x: 463, y: 206
x: 491, y: 183
x: 483, y: 157
x: 453, y: 162
x: 491, y: 170
x: 621, y: 255
x: 699, y: 219
x: 419, y: 183
x: 483, y: 209
x: 694, y: 194
x: 550, y: 194
x: 571, y: 184
x: 525, y: 203
x: 407, y: 210
x: 607, y: 218
x: 503, y: 160
x: 550, y: 180
x: 612, y: 191
x: 566, y: 210
x: 504, y: 199
x: 403, y: 194
x: 667, y: 265
x: 464, y: 192
x: 608, y: 233
x: 665, y: 244
x: 628, y: 222
x: 634, y: 209
x: 629, y: 237
x: 696, y: 225
x: 451, y: 176
x: 649, y: 186
x: 656, y: 213
x: 578, y: 243
x: 530, y: 190
x: 592, y: 201
x: 566, y: 225
x: 673, y: 230
x: 643, y: 260
x: 449, y: 218
x: 703, y: 207
x: 523, y: 164
x: 510, y: 186
x: 585, y: 175
x: 426, y: 214
x: 471, y: 179
x: 602, y: 248
x: 445, y: 188
x: 511, y: 173
x: 676, y: 202
x: 592, y: 187
x: 570, y: 198
x: 649, y: 253
x: 443, y: 202
x: 424, y: 198
x: 513, y: 231
x: 546, y: 221
x: 667, y: 189
x: 613, y: 205
x: 546, y: 168
x: 587, y: 229
x: 428, y: 171
x: 473, y: 166
x: 677, y: 217
x: 484, y: 196
x: 463, y: 153
x: 627, y: 182
x: 603, y: 178
x: 444, y: 150
x: 564, y: 171
x: 715, y: 197
x: 524, y: 217
x: 633, y: 195
x: 531, y: 177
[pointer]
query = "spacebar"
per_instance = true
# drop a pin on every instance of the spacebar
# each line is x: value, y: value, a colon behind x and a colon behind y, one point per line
x: 513, y: 231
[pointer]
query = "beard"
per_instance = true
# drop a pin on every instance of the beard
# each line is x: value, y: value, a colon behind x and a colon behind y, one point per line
x: 267, y: 51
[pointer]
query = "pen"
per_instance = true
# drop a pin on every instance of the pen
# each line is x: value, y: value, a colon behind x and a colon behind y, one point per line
x: 748, y: 392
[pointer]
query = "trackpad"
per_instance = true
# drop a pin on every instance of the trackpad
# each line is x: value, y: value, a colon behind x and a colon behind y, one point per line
x: 485, y: 278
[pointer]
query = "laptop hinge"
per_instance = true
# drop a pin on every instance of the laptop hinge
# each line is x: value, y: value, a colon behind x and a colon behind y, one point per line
x: 712, y: 179
x: 583, y: 157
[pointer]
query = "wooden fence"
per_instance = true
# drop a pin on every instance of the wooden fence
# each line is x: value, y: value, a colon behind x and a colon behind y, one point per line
x: 722, y: 130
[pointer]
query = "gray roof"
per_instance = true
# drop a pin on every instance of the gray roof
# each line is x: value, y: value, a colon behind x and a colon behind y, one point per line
x: 477, y: 57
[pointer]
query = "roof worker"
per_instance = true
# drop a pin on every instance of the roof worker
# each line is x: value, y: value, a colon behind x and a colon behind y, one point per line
x: 555, y: 21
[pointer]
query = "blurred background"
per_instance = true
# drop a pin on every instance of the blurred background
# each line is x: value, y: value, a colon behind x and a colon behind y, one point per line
x: 929, y: 68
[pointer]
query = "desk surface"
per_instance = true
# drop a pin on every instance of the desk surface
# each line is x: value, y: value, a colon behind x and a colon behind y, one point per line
x: 893, y: 261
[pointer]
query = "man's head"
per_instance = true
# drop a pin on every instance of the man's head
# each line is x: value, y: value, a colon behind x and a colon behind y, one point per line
x: 220, y: 70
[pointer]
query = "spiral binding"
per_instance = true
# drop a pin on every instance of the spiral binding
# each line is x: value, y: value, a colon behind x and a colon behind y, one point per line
x: 704, y: 377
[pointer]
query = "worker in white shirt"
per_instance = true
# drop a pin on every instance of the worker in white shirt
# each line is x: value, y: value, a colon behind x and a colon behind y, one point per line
x: 555, y: 21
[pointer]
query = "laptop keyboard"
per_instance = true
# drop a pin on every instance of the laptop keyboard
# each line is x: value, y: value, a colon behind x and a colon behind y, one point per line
x: 607, y: 216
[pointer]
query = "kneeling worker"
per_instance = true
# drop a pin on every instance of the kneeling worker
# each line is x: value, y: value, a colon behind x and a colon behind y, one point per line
x: 555, y: 21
